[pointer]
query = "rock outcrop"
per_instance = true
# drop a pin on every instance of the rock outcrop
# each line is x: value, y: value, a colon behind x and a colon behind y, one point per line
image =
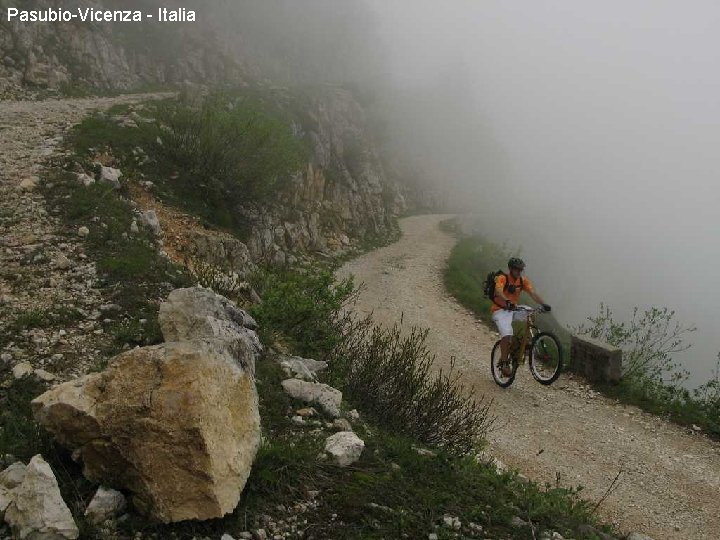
x: 176, y: 425
x: 37, y: 510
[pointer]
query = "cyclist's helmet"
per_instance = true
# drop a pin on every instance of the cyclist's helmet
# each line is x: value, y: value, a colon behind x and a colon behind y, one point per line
x: 516, y: 262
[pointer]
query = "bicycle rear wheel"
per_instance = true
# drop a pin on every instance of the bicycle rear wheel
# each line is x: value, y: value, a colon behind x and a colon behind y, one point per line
x: 495, y: 366
x: 545, y: 358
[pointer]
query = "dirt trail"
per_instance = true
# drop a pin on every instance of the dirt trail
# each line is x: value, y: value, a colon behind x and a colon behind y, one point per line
x: 670, y: 485
x: 41, y: 267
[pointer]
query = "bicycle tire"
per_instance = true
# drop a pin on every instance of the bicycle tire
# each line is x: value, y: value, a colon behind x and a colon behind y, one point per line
x: 500, y: 383
x: 558, y: 369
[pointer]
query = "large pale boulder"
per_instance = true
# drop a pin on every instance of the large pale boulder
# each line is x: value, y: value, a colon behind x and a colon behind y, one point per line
x: 176, y: 425
x: 197, y: 312
x: 326, y: 396
x: 37, y: 510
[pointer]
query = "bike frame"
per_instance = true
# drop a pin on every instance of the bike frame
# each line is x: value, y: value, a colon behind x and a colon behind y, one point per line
x: 523, y: 349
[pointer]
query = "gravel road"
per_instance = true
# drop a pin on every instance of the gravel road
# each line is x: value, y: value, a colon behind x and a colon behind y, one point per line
x: 669, y: 487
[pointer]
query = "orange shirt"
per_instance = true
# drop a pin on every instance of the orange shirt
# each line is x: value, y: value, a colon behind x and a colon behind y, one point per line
x: 513, y: 297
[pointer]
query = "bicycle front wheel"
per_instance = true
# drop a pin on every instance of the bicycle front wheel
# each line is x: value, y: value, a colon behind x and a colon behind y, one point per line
x: 545, y: 358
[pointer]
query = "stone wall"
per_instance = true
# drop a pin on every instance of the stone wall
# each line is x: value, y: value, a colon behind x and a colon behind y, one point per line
x: 595, y: 360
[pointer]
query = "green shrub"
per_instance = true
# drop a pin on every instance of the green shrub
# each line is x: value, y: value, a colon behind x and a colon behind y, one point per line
x: 304, y: 307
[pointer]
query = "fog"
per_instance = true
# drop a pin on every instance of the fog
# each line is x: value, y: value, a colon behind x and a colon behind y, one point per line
x: 585, y: 132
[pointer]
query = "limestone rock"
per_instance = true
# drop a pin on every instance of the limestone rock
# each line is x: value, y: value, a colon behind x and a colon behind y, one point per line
x: 197, y: 312
x: 22, y: 370
x: 38, y: 511
x: 176, y: 425
x: 110, y: 176
x: 345, y: 447
x: 6, y: 497
x: 302, y: 368
x: 150, y: 219
x: 29, y: 184
x: 83, y: 232
x: 13, y: 476
x: 106, y: 504
x: 326, y: 396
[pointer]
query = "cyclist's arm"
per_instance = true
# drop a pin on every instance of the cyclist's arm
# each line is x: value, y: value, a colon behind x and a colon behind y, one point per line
x: 535, y: 296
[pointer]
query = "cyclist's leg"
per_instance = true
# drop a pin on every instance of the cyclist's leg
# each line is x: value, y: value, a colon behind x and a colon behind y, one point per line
x: 503, y: 320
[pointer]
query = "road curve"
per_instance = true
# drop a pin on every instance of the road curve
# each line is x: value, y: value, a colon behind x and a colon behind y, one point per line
x: 669, y: 487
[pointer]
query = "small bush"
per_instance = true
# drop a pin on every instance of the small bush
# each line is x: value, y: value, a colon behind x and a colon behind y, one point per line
x: 389, y: 376
x: 303, y: 306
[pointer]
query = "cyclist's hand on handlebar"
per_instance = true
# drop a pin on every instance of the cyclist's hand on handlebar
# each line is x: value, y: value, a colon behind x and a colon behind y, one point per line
x: 510, y: 306
x: 546, y: 307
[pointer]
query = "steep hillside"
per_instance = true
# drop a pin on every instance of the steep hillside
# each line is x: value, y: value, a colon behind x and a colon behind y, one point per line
x: 80, y: 56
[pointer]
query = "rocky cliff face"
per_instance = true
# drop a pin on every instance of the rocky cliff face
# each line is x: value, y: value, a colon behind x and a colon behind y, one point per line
x: 342, y: 196
x: 109, y: 56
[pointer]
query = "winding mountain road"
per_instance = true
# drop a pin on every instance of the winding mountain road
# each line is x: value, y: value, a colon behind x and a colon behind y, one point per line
x: 669, y: 487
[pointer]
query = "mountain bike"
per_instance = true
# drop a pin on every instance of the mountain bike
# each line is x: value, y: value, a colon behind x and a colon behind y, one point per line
x: 542, y: 349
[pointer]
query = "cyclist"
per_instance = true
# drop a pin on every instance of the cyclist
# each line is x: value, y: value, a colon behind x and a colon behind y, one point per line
x: 507, y: 294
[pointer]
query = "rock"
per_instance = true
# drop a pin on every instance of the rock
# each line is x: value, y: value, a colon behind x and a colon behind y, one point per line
x: 260, y: 534
x: 226, y: 537
x: 638, y: 536
x: 6, y: 497
x: 176, y: 425
x: 106, y: 504
x: 452, y: 521
x: 518, y: 522
x: 150, y: 219
x: 13, y: 476
x: 432, y: 536
x: 110, y: 176
x: 326, y: 396
x: 345, y: 447
x: 341, y: 424
x: 353, y: 415
x: 306, y: 412
x: 38, y: 511
x: 197, y: 312
x: 83, y: 232
x: 302, y: 368
x: 22, y: 370
x: 298, y: 420
x: 134, y: 227
x: 44, y: 376
x: 30, y: 183
x: 62, y: 262
x: 85, y: 179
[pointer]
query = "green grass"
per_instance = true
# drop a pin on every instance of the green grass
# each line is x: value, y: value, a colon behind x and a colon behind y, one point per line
x: 131, y: 272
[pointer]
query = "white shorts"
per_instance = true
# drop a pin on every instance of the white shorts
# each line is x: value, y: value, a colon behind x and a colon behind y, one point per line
x: 504, y: 318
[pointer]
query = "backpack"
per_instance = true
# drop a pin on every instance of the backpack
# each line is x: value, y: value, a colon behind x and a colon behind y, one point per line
x: 490, y: 282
